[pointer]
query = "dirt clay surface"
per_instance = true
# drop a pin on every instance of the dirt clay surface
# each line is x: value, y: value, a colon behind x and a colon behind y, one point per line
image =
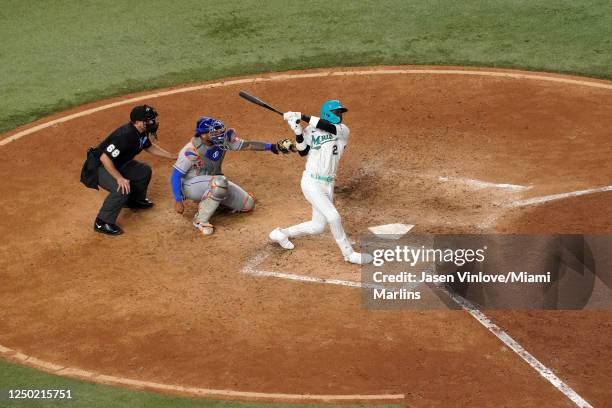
x: 163, y: 304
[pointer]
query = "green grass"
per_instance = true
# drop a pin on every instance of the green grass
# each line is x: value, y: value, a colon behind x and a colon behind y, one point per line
x: 87, y: 395
x: 58, y: 54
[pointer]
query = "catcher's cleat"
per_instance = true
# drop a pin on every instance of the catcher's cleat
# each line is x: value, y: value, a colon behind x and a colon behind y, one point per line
x: 106, y: 228
x: 359, y: 258
x: 204, y: 228
x: 279, y: 237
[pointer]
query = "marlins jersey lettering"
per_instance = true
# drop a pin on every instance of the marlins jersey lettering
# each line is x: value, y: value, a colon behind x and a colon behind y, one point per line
x: 207, y: 162
x: 325, y: 149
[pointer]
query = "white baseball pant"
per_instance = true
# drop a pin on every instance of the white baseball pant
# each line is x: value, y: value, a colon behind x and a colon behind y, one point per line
x: 320, y: 195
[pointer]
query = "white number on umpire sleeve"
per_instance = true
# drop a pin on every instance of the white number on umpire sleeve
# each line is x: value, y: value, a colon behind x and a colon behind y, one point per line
x: 113, y: 150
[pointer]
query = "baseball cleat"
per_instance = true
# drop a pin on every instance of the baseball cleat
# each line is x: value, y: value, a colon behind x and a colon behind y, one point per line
x: 204, y: 228
x: 106, y: 228
x: 359, y: 258
x: 279, y: 237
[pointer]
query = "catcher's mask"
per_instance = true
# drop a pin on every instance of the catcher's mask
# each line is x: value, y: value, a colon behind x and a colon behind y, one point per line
x: 329, y: 110
x: 215, y: 129
x: 148, y: 115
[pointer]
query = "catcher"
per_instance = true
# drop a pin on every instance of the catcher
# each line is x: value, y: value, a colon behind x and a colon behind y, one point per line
x: 197, y: 173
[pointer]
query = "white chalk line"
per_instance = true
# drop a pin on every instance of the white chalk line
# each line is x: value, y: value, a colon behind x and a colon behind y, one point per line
x: 192, y: 391
x: 210, y: 392
x: 282, y: 77
x: 544, y: 371
x: 480, y: 184
x: 560, y: 196
x: 252, y: 263
x: 303, y: 278
x: 74, y: 372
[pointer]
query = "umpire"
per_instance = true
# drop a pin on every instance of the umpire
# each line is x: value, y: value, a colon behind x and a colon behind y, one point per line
x: 124, y: 178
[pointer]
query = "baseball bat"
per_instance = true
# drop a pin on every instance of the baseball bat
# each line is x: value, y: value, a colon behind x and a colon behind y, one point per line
x: 257, y: 101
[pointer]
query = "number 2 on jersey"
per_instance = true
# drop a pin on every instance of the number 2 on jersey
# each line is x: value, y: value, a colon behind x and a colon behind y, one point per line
x: 335, y: 150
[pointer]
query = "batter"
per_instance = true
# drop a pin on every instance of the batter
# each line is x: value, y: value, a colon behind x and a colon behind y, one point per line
x: 323, y: 141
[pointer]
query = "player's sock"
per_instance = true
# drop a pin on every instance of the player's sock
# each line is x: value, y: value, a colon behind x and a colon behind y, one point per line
x: 345, y: 246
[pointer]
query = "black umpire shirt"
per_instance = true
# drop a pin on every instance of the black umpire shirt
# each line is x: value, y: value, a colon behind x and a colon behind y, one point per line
x: 124, y: 144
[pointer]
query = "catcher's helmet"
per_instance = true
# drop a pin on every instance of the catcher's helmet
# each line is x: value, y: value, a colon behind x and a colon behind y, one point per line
x: 328, y: 107
x: 214, y: 128
x: 148, y: 115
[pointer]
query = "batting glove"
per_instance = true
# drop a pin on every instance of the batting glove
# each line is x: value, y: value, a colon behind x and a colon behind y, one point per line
x: 296, y: 127
x: 292, y: 116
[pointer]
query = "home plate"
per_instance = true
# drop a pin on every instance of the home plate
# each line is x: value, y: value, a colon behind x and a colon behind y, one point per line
x: 391, y: 231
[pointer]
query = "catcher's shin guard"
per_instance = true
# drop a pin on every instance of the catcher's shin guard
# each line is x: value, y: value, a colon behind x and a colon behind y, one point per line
x: 216, y: 192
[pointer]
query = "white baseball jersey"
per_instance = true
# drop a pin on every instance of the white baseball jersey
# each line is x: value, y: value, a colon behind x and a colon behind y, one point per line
x: 325, y: 149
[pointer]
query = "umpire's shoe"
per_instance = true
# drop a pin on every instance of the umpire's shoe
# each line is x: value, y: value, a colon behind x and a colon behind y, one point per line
x: 106, y: 228
x: 139, y: 204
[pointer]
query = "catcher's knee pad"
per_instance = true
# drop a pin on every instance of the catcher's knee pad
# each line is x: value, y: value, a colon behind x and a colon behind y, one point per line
x: 249, y: 203
x: 217, y: 188
x: 217, y: 191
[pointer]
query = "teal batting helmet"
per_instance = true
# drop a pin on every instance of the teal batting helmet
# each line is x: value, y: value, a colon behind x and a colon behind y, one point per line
x: 328, y: 107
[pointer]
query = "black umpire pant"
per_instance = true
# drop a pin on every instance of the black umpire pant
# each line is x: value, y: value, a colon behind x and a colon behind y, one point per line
x: 138, y: 173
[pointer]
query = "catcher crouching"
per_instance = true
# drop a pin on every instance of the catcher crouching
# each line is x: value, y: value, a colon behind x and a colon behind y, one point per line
x: 197, y: 174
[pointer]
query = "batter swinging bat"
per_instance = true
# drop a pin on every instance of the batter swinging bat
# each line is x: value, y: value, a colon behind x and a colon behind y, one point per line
x: 258, y: 101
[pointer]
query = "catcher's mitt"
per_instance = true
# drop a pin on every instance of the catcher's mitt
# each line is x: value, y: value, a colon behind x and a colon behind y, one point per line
x: 286, y: 146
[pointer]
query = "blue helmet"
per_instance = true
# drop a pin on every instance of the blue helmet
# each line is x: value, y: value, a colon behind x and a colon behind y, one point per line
x: 214, y: 128
x: 328, y: 107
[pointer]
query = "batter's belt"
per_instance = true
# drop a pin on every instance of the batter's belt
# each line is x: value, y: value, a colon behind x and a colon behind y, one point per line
x: 326, y: 179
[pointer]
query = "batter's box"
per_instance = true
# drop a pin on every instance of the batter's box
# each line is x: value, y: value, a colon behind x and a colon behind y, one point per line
x: 315, y: 257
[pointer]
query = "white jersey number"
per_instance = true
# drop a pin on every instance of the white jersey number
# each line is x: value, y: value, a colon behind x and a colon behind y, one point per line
x: 114, y: 152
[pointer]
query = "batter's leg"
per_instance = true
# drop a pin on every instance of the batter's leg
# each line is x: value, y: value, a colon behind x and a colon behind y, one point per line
x: 313, y: 227
x: 320, y: 197
x: 315, y: 193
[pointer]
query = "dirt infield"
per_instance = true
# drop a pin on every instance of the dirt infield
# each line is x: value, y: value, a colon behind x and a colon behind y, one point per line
x: 162, y: 304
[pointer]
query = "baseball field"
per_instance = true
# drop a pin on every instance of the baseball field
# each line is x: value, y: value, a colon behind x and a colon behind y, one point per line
x: 466, y: 118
